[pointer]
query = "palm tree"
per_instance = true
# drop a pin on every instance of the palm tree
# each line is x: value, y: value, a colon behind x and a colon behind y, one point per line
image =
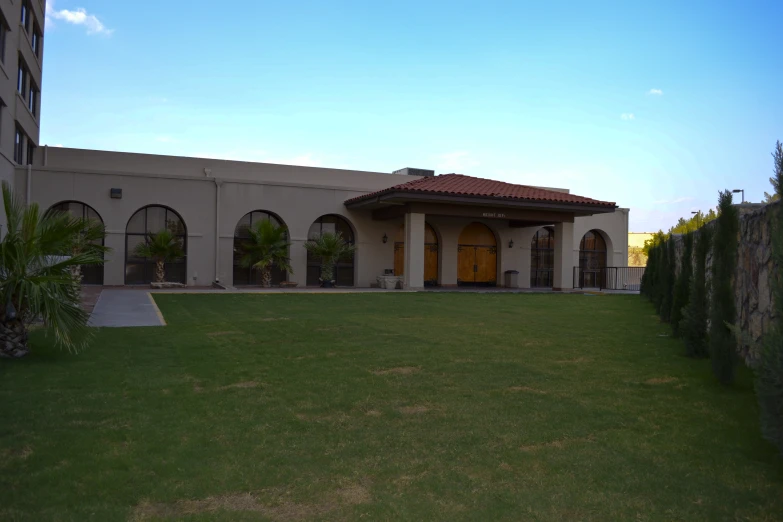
x: 36, y: 282
x: 266, y: 247
x: 90, y: 239
x: 162, y: 247
x: 329, y: 248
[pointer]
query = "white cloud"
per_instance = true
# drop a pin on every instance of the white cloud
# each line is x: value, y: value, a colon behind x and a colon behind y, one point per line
x: 303, y: 160
x: 673, y: 201
x: 627, y: 116
x: 78, y: 16
x: 655, y: 92
x: 458, y: 161
x: 58, y: 145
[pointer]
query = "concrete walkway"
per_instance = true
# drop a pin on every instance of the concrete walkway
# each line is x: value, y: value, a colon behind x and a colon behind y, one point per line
x: 117, y: 308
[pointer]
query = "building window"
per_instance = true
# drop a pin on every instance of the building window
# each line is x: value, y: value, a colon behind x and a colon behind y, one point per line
x: 30, y: 151
x: 91, y: 274
x: 3, y: 36
x: 592, y: 260
x: 21, y: 78
x: 542, y: 258
x: 26, y: 16
x: 146, y: 221
x: 343, y: 272
x: 32, y: 100
x: 247, y: 275
x: 18, y: 146
x: 37, y: 41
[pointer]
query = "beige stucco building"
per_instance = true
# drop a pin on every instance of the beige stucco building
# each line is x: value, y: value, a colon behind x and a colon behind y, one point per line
x: 443, y: 230
x: 538, y: 232
x: 21, y: 76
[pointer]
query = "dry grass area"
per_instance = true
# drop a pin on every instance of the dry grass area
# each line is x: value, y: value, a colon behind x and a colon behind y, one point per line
x: 382, y: 407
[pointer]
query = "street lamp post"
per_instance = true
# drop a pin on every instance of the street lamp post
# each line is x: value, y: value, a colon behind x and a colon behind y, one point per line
x: 743, y: 193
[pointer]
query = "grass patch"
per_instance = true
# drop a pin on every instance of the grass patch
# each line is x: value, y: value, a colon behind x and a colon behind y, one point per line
x: 382, y: 406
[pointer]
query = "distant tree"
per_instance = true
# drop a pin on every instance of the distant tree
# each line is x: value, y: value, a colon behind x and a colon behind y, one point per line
x: 777, y: 155
x: 695, y: 222
x: 722, y: 341
x: 682, y: 284
x: 769, y: 370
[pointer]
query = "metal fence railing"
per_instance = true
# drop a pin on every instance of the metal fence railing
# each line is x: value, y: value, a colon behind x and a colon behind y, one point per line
x: 609, y: 278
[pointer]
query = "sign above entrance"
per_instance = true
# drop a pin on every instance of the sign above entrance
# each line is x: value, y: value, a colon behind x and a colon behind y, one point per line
x: 495, y: 215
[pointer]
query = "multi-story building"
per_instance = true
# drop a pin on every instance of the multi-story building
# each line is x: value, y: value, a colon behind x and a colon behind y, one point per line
x: 21, y: 75
x: 443, y: 230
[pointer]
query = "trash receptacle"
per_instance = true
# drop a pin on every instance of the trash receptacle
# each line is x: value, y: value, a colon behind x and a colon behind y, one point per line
x: 511, y: 279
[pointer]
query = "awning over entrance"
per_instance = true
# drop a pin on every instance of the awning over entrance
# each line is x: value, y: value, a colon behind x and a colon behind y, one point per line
x: 466, y: 196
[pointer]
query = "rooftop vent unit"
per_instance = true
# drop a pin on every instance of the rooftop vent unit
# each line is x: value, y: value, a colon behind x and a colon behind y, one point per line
x: 408, y: 171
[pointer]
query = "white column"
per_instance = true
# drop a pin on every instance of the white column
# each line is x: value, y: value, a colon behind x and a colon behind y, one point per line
x: 564, y: 256
x: 414, y: 251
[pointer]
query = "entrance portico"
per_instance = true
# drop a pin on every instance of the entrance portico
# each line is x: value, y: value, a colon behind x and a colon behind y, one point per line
x: 482, y: 226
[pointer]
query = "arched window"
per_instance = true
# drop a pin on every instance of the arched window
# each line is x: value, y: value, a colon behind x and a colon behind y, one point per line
x: 91, y: 274
x: 344, y: 270
x: 248, y: 276
x: 542, y: 258
x: 592, y: 260
x: 151, y: 220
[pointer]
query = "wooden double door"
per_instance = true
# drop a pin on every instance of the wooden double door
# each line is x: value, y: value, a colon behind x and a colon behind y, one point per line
x: 430, y: 255
x: 477, y: 256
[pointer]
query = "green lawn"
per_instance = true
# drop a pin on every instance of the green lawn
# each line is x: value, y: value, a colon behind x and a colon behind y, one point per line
x: 383, y: 406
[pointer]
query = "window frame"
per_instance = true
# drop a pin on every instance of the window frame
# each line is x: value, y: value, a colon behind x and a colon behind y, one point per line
x: 35, y: 40
x: 19, y: 137
x: 30, y: 151
x: 26, y: 15
x: 4, y: 30
x: 22, y: 75
x: 32, y: 98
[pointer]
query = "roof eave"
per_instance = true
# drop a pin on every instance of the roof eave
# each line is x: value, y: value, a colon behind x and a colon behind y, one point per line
x: 401, y: 196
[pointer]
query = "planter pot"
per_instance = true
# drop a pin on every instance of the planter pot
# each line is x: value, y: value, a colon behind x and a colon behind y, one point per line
x: 327, y: 284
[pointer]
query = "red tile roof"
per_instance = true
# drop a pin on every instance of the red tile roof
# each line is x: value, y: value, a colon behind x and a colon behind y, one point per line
x: 461, y: 185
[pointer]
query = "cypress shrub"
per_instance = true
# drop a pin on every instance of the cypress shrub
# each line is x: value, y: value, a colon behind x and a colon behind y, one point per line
x: 667, y: 279
x: 682, y: 284
x: 769, y: 370
x: 694, y: 321
x: 722, y: 342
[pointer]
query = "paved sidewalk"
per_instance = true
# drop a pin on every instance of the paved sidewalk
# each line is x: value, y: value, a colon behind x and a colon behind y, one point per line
x: 118, y: 308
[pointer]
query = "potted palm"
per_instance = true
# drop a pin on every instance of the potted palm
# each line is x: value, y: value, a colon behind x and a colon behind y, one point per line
x: 162, y: 247
x: 265, y: 248
x: 329, y: 248
x: 89, y: 240
x: 36, y: 279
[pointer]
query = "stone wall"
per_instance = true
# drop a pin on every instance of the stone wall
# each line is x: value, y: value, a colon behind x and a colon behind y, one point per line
x: 752, y: 291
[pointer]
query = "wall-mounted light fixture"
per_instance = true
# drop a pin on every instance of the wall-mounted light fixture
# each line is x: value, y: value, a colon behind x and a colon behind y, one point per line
x: 510, y: 243
x: 385, y: 238
x: 115, y: 193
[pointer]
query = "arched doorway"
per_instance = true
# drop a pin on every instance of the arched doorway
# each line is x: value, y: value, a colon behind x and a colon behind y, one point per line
x: 542, y: 258
x: 430, y: 254
x: 151, y: 220
x: 247, y: 276
x: 477, y: 256
x: 592, y: 260
x: 343, y: 273
x: 91, y: 274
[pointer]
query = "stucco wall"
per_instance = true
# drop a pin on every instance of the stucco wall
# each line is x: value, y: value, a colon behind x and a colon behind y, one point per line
x: 298, y: 195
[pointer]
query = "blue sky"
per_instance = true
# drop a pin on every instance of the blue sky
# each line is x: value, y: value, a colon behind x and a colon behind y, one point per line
x: 656, y: 105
